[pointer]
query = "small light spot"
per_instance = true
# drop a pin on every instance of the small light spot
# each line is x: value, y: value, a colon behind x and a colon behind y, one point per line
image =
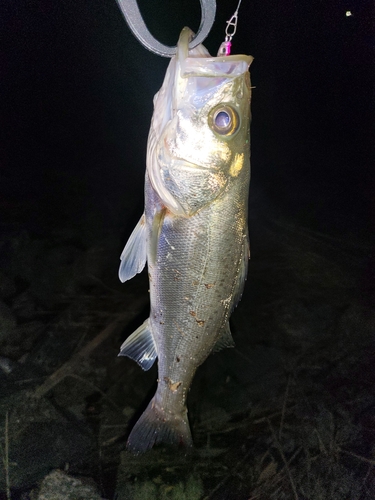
x: 348, y: 13
x: 237, y: 165
x: 173, y: 387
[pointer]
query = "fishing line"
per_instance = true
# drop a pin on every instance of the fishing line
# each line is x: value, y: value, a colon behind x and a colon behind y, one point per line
x: 230, y: 31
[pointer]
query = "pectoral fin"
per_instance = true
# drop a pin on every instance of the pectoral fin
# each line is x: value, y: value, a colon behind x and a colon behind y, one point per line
x: 133, y: 257
x: 140, y: 346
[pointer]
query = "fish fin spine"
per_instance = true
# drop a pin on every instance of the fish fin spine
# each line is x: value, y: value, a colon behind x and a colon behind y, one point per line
x: 133, y: 257
x: 156, y: 426
x: 140, y: 346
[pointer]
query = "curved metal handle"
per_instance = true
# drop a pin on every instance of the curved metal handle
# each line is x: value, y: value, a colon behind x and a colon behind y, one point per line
x: 135, y: 21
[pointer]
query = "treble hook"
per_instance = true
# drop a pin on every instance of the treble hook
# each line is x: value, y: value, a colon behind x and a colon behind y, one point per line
x: 135, y: 21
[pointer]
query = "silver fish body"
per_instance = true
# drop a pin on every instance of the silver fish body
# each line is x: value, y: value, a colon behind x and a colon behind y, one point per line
x: 193, y: 233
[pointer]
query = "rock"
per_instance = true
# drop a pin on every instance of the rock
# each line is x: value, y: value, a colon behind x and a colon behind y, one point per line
x: 60, y: 486
x: 160, y: 474
x: 46, y: 445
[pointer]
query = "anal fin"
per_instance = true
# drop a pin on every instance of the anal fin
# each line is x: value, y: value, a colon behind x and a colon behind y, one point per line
x: 225, y: 340
x: 242, y: 271
x: 140, y: 346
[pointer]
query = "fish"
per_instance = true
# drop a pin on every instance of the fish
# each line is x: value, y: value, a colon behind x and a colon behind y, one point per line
x: 193, y: 233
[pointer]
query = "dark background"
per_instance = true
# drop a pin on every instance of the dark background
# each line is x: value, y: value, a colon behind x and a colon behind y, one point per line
x: 76, y: 93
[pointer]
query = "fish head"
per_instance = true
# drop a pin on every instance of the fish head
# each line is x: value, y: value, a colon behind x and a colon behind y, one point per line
x: 199, y: 135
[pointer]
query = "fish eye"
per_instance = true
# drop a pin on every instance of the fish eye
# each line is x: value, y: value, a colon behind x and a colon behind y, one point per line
x: 223, y: 120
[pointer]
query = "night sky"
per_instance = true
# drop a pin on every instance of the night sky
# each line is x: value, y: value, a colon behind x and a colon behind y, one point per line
x: 76, y: 93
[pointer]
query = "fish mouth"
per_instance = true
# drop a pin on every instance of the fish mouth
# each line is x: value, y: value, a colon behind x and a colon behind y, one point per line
x: 199, y: 62
x: 200, y: 52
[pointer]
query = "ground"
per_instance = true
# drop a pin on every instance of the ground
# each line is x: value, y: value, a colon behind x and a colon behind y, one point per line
x: 286, y: 414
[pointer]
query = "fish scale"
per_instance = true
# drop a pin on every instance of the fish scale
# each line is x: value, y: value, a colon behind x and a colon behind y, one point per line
x: 193, y: 233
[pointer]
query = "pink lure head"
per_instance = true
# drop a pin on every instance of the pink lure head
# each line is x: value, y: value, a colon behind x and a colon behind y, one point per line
x: 224, y: 49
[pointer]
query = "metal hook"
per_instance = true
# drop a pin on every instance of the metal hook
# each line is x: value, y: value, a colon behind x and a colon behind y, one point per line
x: 135, y: 21
x: 225, y: 47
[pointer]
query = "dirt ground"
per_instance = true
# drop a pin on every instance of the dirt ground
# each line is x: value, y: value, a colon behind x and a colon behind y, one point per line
x: 287, y: 414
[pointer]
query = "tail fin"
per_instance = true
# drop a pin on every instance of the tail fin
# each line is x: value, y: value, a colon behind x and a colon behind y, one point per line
x: 156, y: 427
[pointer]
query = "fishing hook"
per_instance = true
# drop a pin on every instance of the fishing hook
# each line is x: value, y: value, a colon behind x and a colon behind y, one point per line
x: 133, y: 17
x: 230, y: 31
